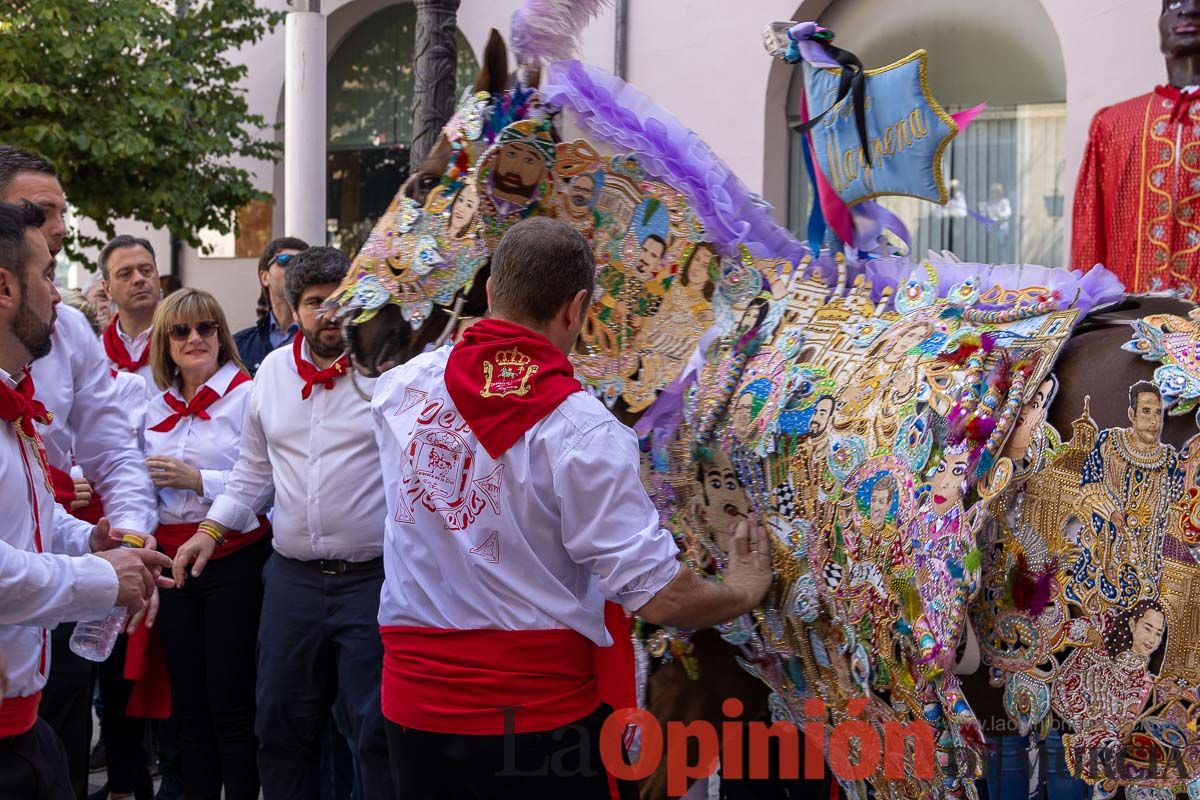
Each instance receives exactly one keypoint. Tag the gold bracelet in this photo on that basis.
(208, 529)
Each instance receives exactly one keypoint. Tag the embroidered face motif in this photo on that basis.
(1148, 632)
(1146, 416)
(462, 212)
(519, 170)
(948, 482)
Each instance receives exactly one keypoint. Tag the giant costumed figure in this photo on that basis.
(896, 424)
(1137, 202)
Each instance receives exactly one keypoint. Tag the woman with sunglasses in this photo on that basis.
(276, 326)
(209, 627)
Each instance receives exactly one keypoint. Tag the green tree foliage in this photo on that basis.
(141, 111)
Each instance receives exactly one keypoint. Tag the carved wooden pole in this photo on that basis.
(436, 56)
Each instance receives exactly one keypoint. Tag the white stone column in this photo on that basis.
(304, 123)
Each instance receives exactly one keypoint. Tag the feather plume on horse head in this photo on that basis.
(548, 30)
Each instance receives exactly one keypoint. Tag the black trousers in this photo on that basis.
(319, 645)
(562, 764)
(209, 631)
(67, 705)
(124, 736)
(33, 766)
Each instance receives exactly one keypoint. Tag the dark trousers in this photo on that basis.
(67, 705)
(318, 645)
(33, 766)
(124, 736)
(562, 764)
(209, 631)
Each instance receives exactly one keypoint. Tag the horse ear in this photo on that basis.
(493, 74)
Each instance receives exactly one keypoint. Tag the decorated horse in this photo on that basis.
(897, 425)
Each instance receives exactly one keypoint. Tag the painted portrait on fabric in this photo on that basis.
(514, 175)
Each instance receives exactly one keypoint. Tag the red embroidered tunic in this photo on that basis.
(1137, 203)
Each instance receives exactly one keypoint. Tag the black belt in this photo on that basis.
(337, 566)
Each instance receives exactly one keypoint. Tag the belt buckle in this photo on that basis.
(332, 567)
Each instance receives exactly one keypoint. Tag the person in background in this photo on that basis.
(209, 627)
(97, 296)
(131, 280)
(308, 440)
(53, 568)
(276, 325)
(90, 429)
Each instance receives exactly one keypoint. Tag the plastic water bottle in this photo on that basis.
(95, 639)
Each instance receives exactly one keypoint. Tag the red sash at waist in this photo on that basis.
(18, 715)
(458, 681)
(64, 494)
(172, 537)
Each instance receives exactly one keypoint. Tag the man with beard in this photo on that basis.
(1136, 201)
(131, 280)
(523, 158)
(48, 573)
(308, 439)
(90, 428)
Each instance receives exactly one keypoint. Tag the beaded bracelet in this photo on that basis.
(208, 529)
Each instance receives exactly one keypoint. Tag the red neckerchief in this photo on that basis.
(18, 407)
(118, 354)
(198, 407)
(504, 379)
(1182, 101)
(313, 376)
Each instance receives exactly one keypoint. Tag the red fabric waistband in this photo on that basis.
(64, 494)
(458, 681)
(18, 715)
(172, 537)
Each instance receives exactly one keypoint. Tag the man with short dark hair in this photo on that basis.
(308, 440)
(276, 326)
(131, 280)
(90, 428)
(48, 573)
(514, 509)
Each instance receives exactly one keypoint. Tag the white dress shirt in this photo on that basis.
(131, 388)
(135, 346)
(92, 424)
(209, 445)
(533, 540)
(44, 579)
(318, 456)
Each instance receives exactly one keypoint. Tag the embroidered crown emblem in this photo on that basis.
(507, 372)
(512, 358)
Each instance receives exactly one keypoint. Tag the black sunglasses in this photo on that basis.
(282, 259)
(180, 331)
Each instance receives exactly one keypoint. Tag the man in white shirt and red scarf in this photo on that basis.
(131, 280)
(308, 439)
(91, 429)
(514, 510)
(48, 574)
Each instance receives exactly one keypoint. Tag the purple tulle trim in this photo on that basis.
(625, 118)
(1096, 287)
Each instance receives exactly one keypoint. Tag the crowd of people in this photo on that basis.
(306, 582)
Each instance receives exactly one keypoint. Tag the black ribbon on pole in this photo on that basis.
(853, 81)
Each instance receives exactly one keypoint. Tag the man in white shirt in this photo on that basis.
(308, 439)
(131, 280)
(90, 428)
(515, 509)
(48, 574)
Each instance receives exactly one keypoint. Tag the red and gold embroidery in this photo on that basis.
(507, 372)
